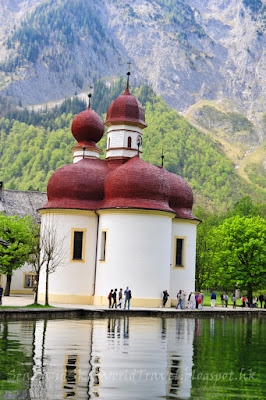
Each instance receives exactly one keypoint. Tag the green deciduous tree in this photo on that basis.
(240, 252)
(18, 232)
(205, 250)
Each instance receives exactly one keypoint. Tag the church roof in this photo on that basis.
(87, 126)
(79, 185)
(126, 109)
(93, 184)
(137, 184)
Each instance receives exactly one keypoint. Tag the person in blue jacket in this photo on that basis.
(213, 299)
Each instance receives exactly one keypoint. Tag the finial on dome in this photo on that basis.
(128, 74)
(162, 157)
(139, 142)
(89, 95)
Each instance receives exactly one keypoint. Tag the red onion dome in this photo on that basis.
(126, 109)
(79, 185)
(87, 126)
(137, 184)
(181, 196)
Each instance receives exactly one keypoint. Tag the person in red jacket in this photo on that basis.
(110, 297)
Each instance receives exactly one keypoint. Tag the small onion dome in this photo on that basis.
(137, 184)
(181, 196)
(126, 109)
(79, 185)
(87, 126)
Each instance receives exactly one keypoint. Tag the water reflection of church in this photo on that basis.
(109, 358)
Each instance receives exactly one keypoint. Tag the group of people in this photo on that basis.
(253, 302)
(196, 300)
(112, 298)
(224, 299)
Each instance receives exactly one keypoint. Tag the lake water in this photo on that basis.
(133, 358)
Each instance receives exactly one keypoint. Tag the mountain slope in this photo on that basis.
(187, 49)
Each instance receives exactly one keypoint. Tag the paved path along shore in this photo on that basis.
(24, 300)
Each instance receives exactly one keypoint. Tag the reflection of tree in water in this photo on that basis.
(15, 363)
(229, 350)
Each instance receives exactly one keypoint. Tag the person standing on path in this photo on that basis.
(120, 298)
(179, 301)
(222, 298)
(213, 299)
(202, 298)
(183, 299)
(165, 297)
(1, 294)
(226, 299)
(234, 300)
(192, 300)
(110, 295)
(196, 299)
(114, 298)
(261, 299)
(127, 294)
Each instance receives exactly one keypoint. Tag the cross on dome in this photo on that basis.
(128, 73)
(90, 95)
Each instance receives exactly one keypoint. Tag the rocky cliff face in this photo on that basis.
(187, 50)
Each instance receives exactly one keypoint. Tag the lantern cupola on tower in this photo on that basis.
(125, 120)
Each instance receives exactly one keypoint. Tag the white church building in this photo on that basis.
(123, 222)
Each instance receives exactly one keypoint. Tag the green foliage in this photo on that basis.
(207, 272)
(210, 117)
(15, 370)
(18, 233)
(193, 155)
(51, 119)
(256, 173)
(204, 252)
(63, 22)
(228, 359)
(240, 252)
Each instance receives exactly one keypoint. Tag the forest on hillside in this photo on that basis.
(65, 23)
(34, 144)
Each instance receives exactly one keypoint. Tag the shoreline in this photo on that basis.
(54, 313)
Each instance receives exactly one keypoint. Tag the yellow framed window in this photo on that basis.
(179, 252)
(29, 280)
(78, 240)
(103, 245)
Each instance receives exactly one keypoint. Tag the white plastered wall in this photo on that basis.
(138, 249)
(17, 282)
(117, 140)
(184, 278)
(72, 277)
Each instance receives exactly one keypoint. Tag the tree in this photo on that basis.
(18, 233)
(205, 251)
(51, 249)
(240, 252)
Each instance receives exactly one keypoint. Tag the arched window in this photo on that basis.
(109, 143)
(129, 141)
